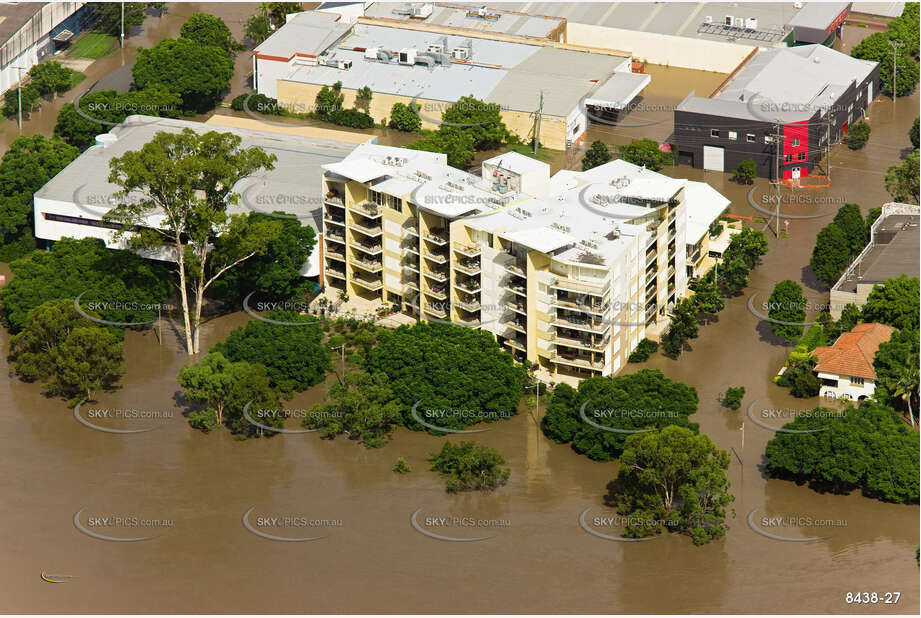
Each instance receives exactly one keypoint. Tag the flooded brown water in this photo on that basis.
(542, 561)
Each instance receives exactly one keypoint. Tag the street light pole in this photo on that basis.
(19, 97)
(896, 44)
(121, 38)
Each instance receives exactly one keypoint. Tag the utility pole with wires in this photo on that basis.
(19, 95)
(777, 155)
(536, 129)
(121, 38)
(896, 44)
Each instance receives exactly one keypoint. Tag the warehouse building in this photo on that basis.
(783, 109)
(569, 271)
(433, 70)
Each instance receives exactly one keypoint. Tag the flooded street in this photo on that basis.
(203, 559)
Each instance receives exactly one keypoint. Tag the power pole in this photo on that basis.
(896, 44)
(540, 109)
(777, 151)
(121, 38)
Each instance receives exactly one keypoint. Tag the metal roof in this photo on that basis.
(310, 32)
(819, 15)
(503, 21)
(619, 90)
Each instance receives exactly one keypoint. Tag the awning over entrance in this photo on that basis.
(618, 91)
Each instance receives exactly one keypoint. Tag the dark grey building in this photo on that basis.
(781, 109)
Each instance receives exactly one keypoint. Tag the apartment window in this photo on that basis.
(795, 142)
(768, 139)
(382, 199)
(750, 138)
(788, 159)
(714, 132)
(856, 381)
(733, 135)
(801, 156)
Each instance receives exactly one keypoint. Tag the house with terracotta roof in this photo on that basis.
(846, 368)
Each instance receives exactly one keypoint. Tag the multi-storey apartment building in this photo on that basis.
(568, 272)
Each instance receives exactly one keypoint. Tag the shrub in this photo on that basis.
(644, 349)
(858, 135)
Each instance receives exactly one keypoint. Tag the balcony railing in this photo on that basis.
(440, 293)
(517, 307)
(336, 255)
(371, 284)
(334, 272)
(370, 249)
(438, 258)
(336, 200)
(580, 307)
(366, 230)
(470, 287)
(468, 250)
(515, 325)
(367, 209)
(516, 344)
(579, 286)
(468, 267)
(335, 236)
(437, 275)
(515, 268)
(577, 360)
(579, 342)
(469, 305)
(368, 265)
(436, 310)
(509, 286)
(592, 326)
(436, 239)
(410, 230)
(334, 219)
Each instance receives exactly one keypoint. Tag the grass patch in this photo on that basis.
(75, 78)
(93, 45)
(528, 151)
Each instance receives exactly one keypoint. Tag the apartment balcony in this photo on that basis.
(472, 322)
(467, 250)
(438, 291)
(471, 306)
(367, 282)
(438, 258)
(437, 238)
(577, 360)
(371, 231)
(435, 310)
(370, 266)
(369, 248)
(516, 325)
(337, 220)
(335, 199)
(336, 255)
(411, 246)
(582, 307)
(468, 266)
(410, 231)
(436, 275)
(470, 287)
(410, 284)
(574, 323)
(584, 343)
(509, 285)
(580, 287)
(515, 268)
(367, 209)
(516, 344)
(334, 272)
(671, 271)
(516, 307)
(335, 236)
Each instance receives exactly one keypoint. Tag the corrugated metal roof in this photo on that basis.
(310, 32)
(819, 15)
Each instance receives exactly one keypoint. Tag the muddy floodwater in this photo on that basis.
(185, 493)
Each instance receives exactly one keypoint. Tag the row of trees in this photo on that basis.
(45, 79)
(644, 152)
(726, 279)
(876, 48)
(839, 242)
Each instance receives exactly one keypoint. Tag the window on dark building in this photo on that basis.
(714, 132)
(750, 138)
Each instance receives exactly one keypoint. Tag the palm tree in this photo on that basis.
(906, 385)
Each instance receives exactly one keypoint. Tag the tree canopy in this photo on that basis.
(470, 466)
(896, 364)
(646, 152)
(787, 304)
(109, 15)
(459, 373)
(598, 154)
(867, 447)
(364, 407)
(198, 73)
(672, 478)
(293, 356)
(206, 29)
(902, 181)
(630, 402)
(74, 267)
(831, 254)
(895, 303)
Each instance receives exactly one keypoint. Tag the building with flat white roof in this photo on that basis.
(433, 70)
(74, 202)
(569, 272)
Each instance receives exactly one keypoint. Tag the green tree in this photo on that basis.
(867, 448)
(404, 118)
(87, 361)
(457, 145)
(745, 172)
(733, 397)
(831, 254)
(913, 134)
(646, 152)
(75, 267)
(481, 120)
(401, 467)
(30, 162)
(871, 218)
(198, 73)
(329, 100)
(206, 29)
(109, 16)
(733, 276)
(894, 302)
(274, 274)
(30, 100)
(363, 99)
(707, 298)
(902, 180)
(258, 28)
(749, 245)
(876, 48)
(66, 351)
(80, 127)
(852, 223)
(278, 11)
(857, 135)
(51, 78)
(363, 407)
(787, 306)
(625, 404)
(293, 356)
(683, 326)
(447, 368)
(896, 365)
(188, 177)
(470, 466)
(675, 476)
(644, 349)
(598, 154)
